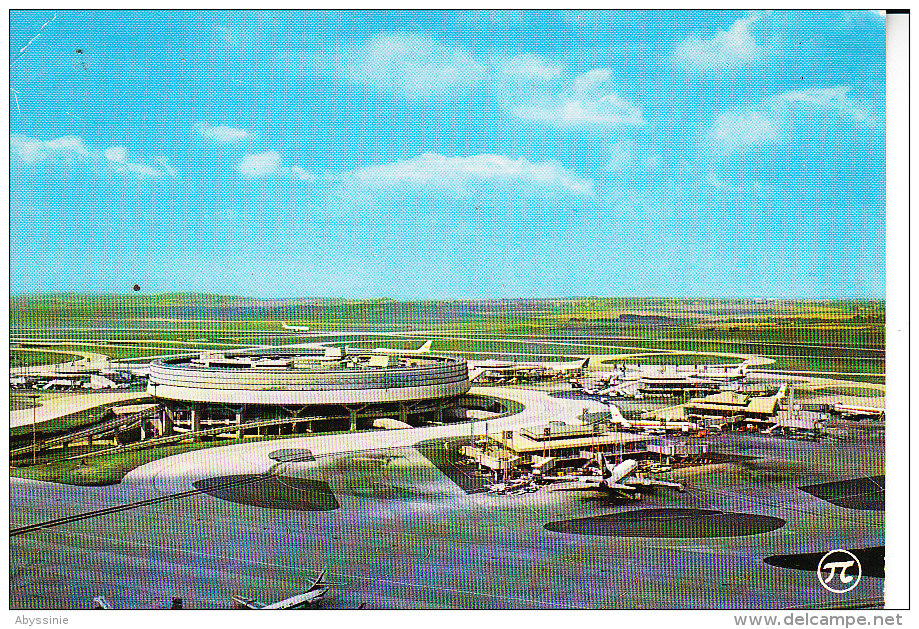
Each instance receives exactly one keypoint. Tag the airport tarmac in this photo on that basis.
(405, 536)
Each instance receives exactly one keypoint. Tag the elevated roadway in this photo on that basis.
(68, 404)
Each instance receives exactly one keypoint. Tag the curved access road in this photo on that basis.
(177, 473)
(88, 359)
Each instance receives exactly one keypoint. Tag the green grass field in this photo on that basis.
(30, 358)
(20, 402)
(109, 469)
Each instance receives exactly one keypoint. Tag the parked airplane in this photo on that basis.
(311, 598)
(851, 409)
(616, 479)
(100, 602)
(297, 328)
(738, 373)
(424, 349)
(515, 487)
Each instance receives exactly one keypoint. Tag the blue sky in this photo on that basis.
(449, 154)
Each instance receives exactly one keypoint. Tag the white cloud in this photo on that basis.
(652, 161)
(733, 48)
(136, 169)
(589, 101)
(259, 164)
(620, 156)
(877, 16)
(737, 130)
(167, 166)
(67, 143)
(470, 176)
(768, 121)
(626, 156)
(831, 99)
(411, 66)
(528, 66)
(67, 147)
(302, 174)
(591, 80)
(269, 164)
(606, 110)
(221, 134)
(116, 157)
(28, 149)
(32, 149)
(115, 153)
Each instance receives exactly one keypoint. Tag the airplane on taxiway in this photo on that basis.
(310, 598)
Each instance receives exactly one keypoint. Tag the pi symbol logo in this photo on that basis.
(839, 571)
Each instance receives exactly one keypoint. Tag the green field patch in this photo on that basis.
(60, 425)
(828, 364)
(20, 402)
(30, 358)
(677, 359)
(109, 469)
(119, 352)
(854, 391)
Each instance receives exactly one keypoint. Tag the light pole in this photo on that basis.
(34, 398)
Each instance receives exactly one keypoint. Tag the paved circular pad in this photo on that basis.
(292, 455)
(271, 492)
(670, 523)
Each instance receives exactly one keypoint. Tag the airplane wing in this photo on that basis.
(575, 486)
(249, 603)
(635, 481)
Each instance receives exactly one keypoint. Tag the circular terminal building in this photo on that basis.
(297, 388)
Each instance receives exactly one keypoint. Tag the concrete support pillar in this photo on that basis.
(143, 431)
(239, 420)
(353, 413)
(403, 415)
(89, 440)
(158, 421)
(163, 422)
(196, 420)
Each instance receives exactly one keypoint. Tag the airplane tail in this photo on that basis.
(320, 581)
(426, 348)
(605, 472)
(100, 602)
